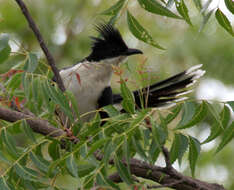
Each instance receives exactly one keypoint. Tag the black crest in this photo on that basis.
(109, 44)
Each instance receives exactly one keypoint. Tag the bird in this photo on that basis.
(90, 79)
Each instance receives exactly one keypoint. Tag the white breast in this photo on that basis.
(87, 81)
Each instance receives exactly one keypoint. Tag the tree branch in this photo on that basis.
(44, 48)
(37, 125)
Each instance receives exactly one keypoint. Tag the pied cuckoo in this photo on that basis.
(90, 79)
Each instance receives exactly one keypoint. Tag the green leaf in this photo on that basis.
(4, 48)
(194, 151)
(3, 184)
(53, 150)
(223, 21)
(26, 173)
(113, 10)
(111, 110)
(31, 63)
(178, 148)
(139, 32)
(214, 112)
(198, 116)
(174, 113)
(154, 151)
(108, 150)
(72, 166)
(228, 135)
(10, 143)
(97, 145)
(85, 169)
(3, 158)
(205, 20)
(216, 130)
(14, 81)
(230, 5)
(225, 116)
(188, 113)
(28, 131)
(122, 171)
(198, 4)
(183, 10)
(139, 148)
(128, 98)
(58, 97)
(156, 8)
(159, 134)
(37, 160)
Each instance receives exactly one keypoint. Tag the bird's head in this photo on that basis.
(110, 46)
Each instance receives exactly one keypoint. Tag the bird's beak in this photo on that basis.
(133, 51)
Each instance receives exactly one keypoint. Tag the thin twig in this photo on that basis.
(44, 48)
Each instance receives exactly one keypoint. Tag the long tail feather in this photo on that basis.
(168, 91)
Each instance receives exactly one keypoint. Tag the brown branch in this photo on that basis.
(37, 125)
(44, 48)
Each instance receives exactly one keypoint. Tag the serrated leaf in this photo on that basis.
(58, 97)
(178, 148)
(3, 184)
(183, 10)
(156, 8)
(108, 149)
(72, 166)
(223, 21)
(230, 5)
(43, 166)
(228, 135)
(214, 113)
(159, 134)
(216, 130)
(198, 116)
(139, 148)
(154, 151)
(26, 173)
(126, 152)
(85, 169)
(31, 63)
(139, 32)
(188, 113)
(4, 48)
(122, 171)
(194, 151)
(174, 113)
(128, 98)
(113, 10)
(10, 143)
(28, 131)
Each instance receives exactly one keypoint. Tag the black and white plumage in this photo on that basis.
(90, 79)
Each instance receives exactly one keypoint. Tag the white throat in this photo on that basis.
(115, 61)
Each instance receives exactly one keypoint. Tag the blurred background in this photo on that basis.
(67, 25)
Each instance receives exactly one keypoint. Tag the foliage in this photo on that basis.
(38, 162)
